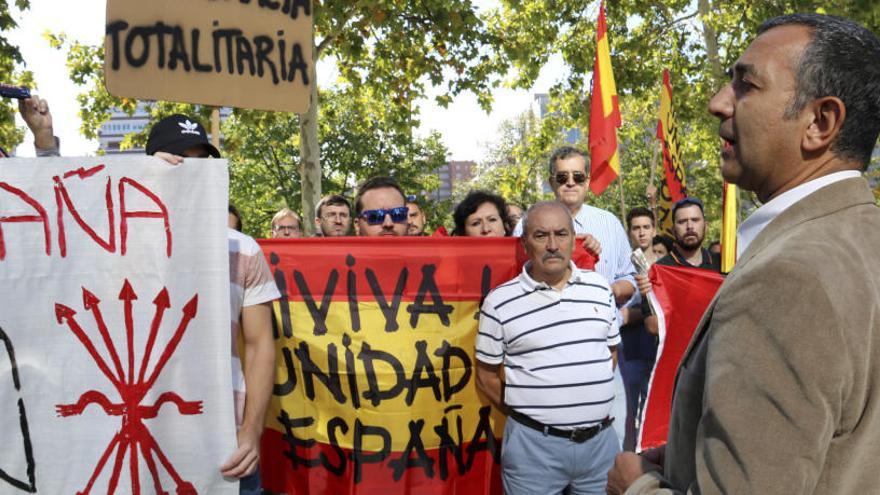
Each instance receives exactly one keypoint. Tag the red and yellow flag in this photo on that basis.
(673, 188)
(604, 115)
(374, 384)
(679, 297)
(728, 228)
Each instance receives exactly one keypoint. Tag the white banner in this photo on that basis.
(114, 311)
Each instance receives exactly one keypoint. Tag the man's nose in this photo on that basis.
(721, 104)
(387, 223)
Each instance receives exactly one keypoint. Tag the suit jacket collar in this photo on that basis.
(834, 197)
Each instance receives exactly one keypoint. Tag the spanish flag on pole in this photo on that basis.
(604, 114)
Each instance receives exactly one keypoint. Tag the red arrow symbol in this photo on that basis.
(127, 295)
(162, 303)
(65, 313)
(189, 312)
(92, 303)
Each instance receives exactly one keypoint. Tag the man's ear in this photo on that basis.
(826, 118)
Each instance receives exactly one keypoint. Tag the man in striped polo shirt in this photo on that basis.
(555, 331)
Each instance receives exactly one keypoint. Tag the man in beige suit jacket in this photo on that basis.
(779, 391)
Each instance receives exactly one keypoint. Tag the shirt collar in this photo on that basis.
(529, 284)
(757, 221)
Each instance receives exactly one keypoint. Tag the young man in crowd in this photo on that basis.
(380, 208)
(333, 216)
(416, 220)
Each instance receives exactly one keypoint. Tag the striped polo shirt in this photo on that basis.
(554, 346)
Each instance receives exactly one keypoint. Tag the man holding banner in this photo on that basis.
(775, 393)
(252, 289)
(555, 330)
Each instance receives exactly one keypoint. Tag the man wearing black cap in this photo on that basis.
(253, 289)
(178, 136)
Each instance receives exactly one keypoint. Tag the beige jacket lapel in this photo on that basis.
(835, 197)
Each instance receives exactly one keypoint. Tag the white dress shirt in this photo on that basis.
(762, 217)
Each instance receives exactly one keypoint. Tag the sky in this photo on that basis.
(466, 129)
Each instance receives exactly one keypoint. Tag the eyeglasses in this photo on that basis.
(286, 228)
(578, 177)
(376, 217)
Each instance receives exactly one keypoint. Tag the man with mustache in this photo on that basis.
(777, 391)
(554, 329)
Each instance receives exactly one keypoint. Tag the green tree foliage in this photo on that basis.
(11, 73)
(695, 41)
(362, 133)
(385, 50)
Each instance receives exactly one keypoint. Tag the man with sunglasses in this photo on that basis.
(380, 208)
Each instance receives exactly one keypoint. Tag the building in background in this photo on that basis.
(454, 172)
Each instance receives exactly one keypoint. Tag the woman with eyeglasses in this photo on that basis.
(481, 214)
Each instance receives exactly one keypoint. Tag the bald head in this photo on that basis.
(555, 206)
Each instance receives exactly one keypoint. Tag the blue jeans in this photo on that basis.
(250, 485)
(532, 462)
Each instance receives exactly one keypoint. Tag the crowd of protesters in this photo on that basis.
(621, 328)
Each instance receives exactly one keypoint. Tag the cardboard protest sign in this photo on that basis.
(375, 388)
(234, 53)
(115, 358)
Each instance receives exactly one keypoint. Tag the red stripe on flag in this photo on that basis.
(683, 294)
(603, 129)
(479, 472)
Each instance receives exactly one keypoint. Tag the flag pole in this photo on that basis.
(728, 228)
(215, 127)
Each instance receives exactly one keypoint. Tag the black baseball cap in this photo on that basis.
(178, 133)
(687, 200)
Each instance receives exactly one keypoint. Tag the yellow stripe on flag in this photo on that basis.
(728, 229)
(367, 353)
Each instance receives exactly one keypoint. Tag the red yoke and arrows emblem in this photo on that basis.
(133, 434)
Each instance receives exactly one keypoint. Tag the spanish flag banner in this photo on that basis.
(604, 115)
(374, 387)
(674, 187)
(679, 297)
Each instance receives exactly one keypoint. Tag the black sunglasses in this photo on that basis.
(562, 177)
(376, 217)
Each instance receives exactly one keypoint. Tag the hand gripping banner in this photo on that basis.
(114, 326)
(375, 384)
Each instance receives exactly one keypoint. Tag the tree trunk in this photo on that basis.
(710, 38)
(310, 157)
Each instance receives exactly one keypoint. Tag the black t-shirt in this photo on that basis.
(711, 261)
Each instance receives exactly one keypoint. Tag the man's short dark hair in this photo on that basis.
(332, 200)
(665, 240)
(638, 211)
(379, 182)
(472, 202)
(234, 211)
(843, 60)
(564, 153)
(687, 201)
